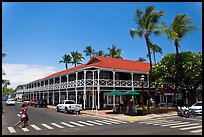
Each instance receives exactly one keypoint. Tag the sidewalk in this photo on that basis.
(109, 115)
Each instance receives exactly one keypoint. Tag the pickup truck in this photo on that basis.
(69, 106)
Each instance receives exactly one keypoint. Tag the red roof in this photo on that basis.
(106, 62)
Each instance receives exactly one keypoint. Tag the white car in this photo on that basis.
(69, 106)
(197, 107)
(10, 101)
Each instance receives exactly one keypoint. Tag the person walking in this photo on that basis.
(22, 115)
(26, 118)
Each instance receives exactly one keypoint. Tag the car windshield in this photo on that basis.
(10, 100)
(198, 104)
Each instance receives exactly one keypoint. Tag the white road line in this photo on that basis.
(57, 125)
(48, 127)
(35, 127)
(184, 125)
(118, 121)
(85, 123)
(11, 129)
(66, 124)
(180, 123)
(25, 129)
(103, 122)
(76, 124)
(111, 121)
(95, 123)
(187, 128)
(196, 131)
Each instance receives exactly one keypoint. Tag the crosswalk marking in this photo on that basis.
(179, 123)
(196, 131)
(48, 127)
(76, 124)
(95, 123)
(103, 122)
(118, 121)
(11, 129)
(66, 124)
(35, 127)
(187, 128)
(25, 129)
(57, 125)
(184, 125)
(111, 122)
(85, 123)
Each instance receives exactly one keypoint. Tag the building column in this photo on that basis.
(76, 86)
(59, 88)
(98, 90)
(93, 92)
(53, 98)
(132, 87)
(53, 95)
(84, 96)
(67, 86)
(48, 96)
(67, 95)
(114, 88)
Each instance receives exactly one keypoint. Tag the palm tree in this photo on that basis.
(146, 25)
(100, 53)
(76, 58)
(66, 59)
(140, 59)
(114, 52)
(89, 51)
(180, 27)
(155, 49)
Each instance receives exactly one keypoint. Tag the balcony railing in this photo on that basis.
(91, 83)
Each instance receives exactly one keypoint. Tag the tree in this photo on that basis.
(180, 27)
(155, 49)
(76, 58)
(189, 75)
(4, 81)
(140, 59)
(66, 59)
(146, 25)
(7, 91)
(89, 51)
(114, 52)
(100, 53)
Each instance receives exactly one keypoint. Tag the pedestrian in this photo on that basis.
(22, 115)
(27, 118)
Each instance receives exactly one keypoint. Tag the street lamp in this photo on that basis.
(142, 81)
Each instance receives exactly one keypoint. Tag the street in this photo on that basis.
(46, 121)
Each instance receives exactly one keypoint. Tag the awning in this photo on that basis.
(131, 93)
(116, 92)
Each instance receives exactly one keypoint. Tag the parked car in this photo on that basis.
(69, 106)
(31, 102)
(197, 108)
(10, 101)
(40, 103)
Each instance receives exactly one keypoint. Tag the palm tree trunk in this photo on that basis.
(177, 67)
(150, 72)
(66, 65)
(154, 57)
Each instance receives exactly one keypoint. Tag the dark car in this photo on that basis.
(40, 103)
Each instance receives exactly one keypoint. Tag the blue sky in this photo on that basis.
(38, 34)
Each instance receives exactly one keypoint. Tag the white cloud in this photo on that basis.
(19, 74)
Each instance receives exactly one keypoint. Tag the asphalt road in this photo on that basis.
(46, 121)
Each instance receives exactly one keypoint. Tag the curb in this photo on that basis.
(130, 118)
